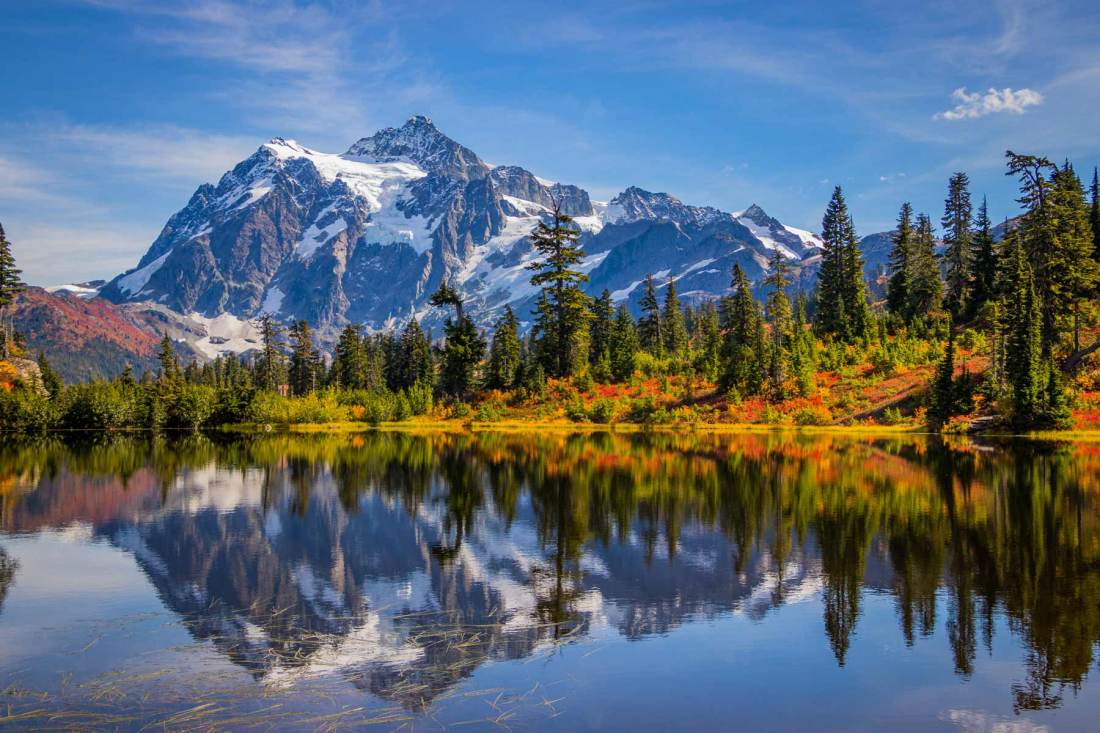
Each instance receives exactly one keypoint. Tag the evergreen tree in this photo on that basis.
(803, 356)
(673, 330)
(901, 266)
(624, 345)
(708, 334)
(942, 407)
(649, 325)
(505, 354)
(303, 362)
(1023, 357)
(564, 317)
(745, 346)
(412, 358)
(1076, 269)
(349, 360)
(603, 315)
(957, 238)
(1094, 214)
(842, 309)
(271, 365)
(983, 283)
(778, 311)
(10, 286)
(169, 363)
(925, 286)
(51, 380)
(463, 349)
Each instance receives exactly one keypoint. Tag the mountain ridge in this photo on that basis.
(367, 235)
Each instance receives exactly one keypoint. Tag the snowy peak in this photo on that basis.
(421, 142)
(792, 243)
(757, 214)
(637, 204)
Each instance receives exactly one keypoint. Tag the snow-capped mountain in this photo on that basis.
(366, 236)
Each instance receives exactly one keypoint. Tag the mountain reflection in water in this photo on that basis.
(402, 563)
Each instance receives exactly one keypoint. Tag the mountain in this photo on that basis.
(366, 236)
(84, 337)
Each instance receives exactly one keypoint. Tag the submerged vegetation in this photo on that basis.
(991, 334)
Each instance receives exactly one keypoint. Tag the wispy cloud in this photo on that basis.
(972, 105)
(164, 151)
(300, 68)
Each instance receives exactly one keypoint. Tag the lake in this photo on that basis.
(549, 581)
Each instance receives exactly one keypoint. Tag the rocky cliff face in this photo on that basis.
(367, 235)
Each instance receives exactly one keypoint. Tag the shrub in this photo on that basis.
(575, 411)
(604, 411)
(26, 411)
(812, 415)
(420, 398)
(490, 411)
(99, 406)
(583, 382)
(892, 416)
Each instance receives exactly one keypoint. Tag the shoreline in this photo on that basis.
(519, 426)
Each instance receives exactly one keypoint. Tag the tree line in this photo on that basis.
(1032, 294)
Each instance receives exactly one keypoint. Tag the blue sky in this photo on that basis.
(113, 111)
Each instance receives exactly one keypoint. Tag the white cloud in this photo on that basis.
(972, 105)
(192, 156)
(977, 721)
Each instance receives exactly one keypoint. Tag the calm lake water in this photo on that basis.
(549, 582)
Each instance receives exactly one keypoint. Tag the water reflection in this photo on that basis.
(401, 563)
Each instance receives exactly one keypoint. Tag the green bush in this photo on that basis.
(100, 406)
(604, 411)
(192, 406)
(26, 411)
(892, 416)
(490, 411)
(323, 407)
(576, 411)
(420, 398)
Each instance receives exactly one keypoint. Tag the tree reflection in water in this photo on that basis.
(404, 561)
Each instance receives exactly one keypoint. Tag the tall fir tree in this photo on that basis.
(1077, 271)
(168, 361)
(303, 364)
(650, 332)
(505, 354)
(901, 255)
(925, 285)
(803, 353)
(411, 358)
(349, 360)
(708, 338)
(745, 347)
(603, 315)
(624, 345)
(842, 308)
(564, 316)
(10, 285)
(1023, 357)
(956, 222)
(943, 394)
(463, 348)
(778, 311)
(270, 368)
(983, 281)
(1094, 214)
(673, 330)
